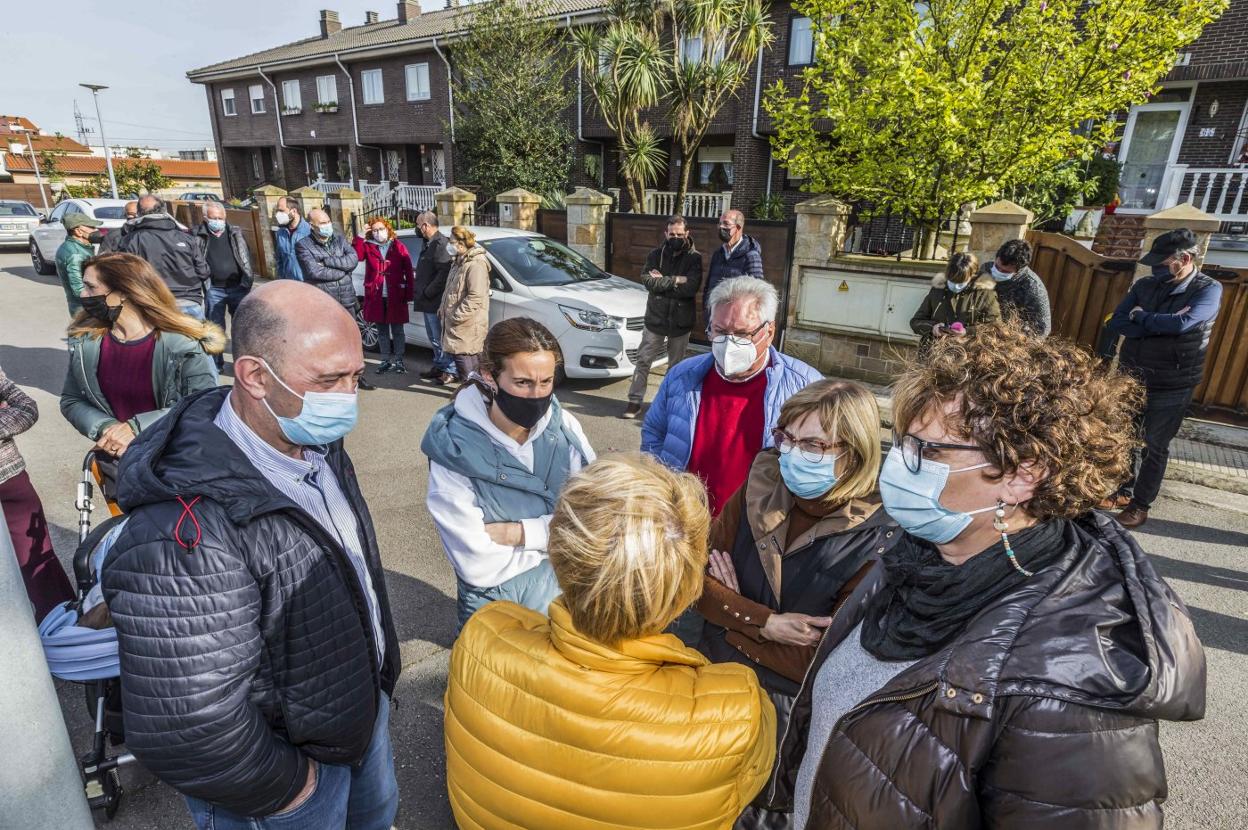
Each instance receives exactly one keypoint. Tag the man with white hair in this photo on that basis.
(713, 413)
(1166, 321)
(229, 266)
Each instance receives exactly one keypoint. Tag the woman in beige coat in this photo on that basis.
(465, 310)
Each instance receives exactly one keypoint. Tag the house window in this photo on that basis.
(691, 48)
(257, 165)
(291, 99)
(227, 102)
(801, 42)
(256, 93)
(715, 168)
(418, 82)
(370, 79)
(327, 89)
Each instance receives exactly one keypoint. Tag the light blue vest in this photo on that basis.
(506, 491)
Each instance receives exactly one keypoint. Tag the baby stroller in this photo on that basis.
(80, 645)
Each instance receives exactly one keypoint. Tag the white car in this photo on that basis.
(48, 235)
(17, 220)
(596, 317)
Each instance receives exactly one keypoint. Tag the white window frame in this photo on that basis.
(254, 99)
(324, 84)
(417, 94)
(365, 75)
(291, 102)
(808, 43)
(229, 105)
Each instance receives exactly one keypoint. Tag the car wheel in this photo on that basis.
(369, 335)
(42, 266)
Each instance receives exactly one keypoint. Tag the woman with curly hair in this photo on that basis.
(1006, 663)
(388, 288)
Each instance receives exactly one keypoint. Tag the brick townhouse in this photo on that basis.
(372, 102)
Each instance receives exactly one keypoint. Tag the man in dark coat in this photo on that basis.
(328, 260)
(258, 653)
(156, 237)
(1020, 293)
(432, 268)
(229, 266)
(738, 256)
(1166, 321)
(672, 275)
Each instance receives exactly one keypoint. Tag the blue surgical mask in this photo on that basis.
(805, 478)
(216, 225)
(325, 417)
(913, 499)
(999, 275)
(957, 287)
(325, 231)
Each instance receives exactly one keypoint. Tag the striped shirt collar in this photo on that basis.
(271, 463)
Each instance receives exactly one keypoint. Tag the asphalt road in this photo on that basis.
(1198, 539)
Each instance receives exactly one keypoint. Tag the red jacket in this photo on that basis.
(396, 271)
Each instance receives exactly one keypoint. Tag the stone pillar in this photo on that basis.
(995, 224)
(345, 205)
(517, 208)
(266, 197)
(1180, 216)
(310, 199)
(456, 206)
(587, 224)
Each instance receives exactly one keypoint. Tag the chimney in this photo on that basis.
(330, 24)
(409, 10)
(370, 17)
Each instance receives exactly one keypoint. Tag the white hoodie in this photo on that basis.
(452, 502)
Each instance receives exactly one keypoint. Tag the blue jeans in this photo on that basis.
(219, 301)
(358, 798)
(441, 360)
(536, 588)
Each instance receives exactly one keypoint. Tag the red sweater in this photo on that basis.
(728, 434)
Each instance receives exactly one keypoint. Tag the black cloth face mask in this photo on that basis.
(523, 412)
(97, 307)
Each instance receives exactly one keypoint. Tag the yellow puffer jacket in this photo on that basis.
(549, 730)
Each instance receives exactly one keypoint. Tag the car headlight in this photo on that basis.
(587, 320)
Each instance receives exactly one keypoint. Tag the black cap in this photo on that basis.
(1167, 245)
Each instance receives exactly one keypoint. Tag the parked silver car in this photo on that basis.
(17, 220)
(48, 235)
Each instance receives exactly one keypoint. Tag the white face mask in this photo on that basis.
(381, 235)
(732, 358)
(451, 249)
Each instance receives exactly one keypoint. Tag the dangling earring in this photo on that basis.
(998, 524)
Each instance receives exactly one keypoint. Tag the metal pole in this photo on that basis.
(38, 176)
(108, 154)
(44, 789)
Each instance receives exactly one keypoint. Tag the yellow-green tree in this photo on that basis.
(919, 108)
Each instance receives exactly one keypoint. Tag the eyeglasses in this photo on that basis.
(913, 447)
(735, 337)
(809, 448)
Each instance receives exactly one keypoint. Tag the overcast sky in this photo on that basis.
(142, 50)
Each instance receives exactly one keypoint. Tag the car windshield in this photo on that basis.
(118, 212)
(16, 209)
(540, 261)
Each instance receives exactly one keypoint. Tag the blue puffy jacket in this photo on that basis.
(667, 432)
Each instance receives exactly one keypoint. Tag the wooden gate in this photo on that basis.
(631, 237)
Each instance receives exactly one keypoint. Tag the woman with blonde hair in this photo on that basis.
(132, 353)
(465, 309)
(791, 543)
(594, 718)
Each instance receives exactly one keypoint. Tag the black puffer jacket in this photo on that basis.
(670, 308)
(328, 265)
(1041, 714)
(252, 651)
(175, 254)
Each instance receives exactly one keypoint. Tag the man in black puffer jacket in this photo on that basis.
(672, 275)
(175, 254)
(258, 653)
(1166, 321)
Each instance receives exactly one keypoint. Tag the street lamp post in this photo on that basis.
(108, 154)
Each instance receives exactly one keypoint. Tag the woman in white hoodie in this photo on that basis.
(498, 455)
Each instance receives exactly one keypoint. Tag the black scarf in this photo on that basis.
(926, 602)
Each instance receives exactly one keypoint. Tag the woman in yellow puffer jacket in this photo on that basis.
(594, 718)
